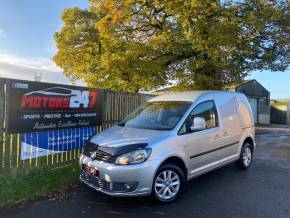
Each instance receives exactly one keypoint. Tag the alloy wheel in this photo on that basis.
(167, 184)
(247, 156)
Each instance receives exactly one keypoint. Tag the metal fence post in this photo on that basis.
(2, 119)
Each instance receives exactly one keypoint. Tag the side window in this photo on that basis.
(206, 110)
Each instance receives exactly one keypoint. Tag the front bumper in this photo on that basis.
(114, 180)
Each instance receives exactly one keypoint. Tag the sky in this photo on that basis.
(26, 38)
(27, 44)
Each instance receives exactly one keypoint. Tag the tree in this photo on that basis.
(198, 44)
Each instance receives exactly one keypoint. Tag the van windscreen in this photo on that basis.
(163, 115)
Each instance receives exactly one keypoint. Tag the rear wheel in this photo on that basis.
(168, 183)
(246, 157)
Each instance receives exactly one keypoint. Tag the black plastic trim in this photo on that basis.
(112, 152)
(117, 151)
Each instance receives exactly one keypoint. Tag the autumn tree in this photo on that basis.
(198, 44)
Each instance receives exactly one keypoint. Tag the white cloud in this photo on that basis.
(16, 67)
(2, 34)
(31, 63)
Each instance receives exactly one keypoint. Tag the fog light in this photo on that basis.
(124, 187)
(127, 187)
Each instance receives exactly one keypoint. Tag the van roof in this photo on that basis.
(190, 96)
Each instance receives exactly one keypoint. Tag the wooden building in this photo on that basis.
(259, 98)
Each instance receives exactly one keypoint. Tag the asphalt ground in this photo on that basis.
(261, 191)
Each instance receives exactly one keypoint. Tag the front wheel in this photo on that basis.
(246, 157)
(168, 183)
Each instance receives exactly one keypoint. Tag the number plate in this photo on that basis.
(90, 171)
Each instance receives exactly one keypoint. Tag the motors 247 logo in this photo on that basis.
(59, 98)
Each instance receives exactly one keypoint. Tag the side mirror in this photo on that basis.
(198, 124)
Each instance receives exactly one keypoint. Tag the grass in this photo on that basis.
(39, 183)
(279, 103)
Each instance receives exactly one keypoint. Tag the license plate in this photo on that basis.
(90, 170)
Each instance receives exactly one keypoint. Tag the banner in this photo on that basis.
(37, 144)
(35, 106)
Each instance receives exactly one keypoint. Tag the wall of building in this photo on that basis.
(259, 98)
(263, 111)
(288, 115)
(264, 119)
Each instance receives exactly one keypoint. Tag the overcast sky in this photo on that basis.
(27, 45)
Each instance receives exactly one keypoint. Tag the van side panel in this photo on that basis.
(246, 119)
(245, 111)
(230, 122)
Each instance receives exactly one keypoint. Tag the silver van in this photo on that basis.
(169, 140)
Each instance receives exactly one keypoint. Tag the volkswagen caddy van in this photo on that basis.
(168, 141)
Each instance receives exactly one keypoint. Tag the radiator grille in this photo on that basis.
(92, 151)
(97, 182)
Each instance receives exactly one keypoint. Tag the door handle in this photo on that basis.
(217, 136)
(226, 133)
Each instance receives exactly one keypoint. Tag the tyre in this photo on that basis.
(168, 183)
(246, 157)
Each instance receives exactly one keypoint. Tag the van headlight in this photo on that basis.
(134, 157)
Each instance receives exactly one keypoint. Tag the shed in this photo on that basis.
(259, 98)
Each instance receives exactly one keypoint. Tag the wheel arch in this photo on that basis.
(250, 140)
(177, 161)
